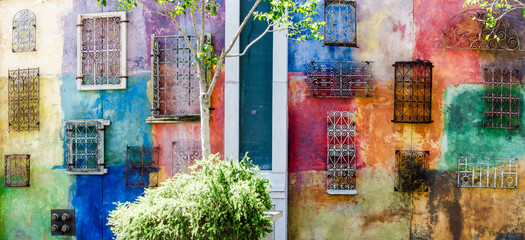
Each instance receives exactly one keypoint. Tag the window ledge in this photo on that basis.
(98, 172)
(341, 192)
(177, 119)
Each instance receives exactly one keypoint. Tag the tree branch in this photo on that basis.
(253, 42)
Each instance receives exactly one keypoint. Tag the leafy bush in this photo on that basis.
(217, 200)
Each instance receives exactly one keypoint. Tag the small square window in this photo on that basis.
(17, 170)
(23, 99)
(501, 98)
(413, 92)
(175, 78)
(341, 156)
(340, 18)
(184, 154)
(340, 79)
(85, 146)
(142, 166)
(24, 31)
(411, 171)
(101, 51)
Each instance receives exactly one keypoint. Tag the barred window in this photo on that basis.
(142, 166)
(487, 172)
(411, 171)
(340, 79)
(175, 78)
(23, 99)
(85, 146)
(17, 170)
(24, 31)
(184, 154)
(501, 98)
(341, 156)
(413, 92)
(101, 53)
(341, 23)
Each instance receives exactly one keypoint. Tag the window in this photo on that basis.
(411, 171)
(341, 156)
(17, 170)
(101, 53)
(501, 98)
(487, 172)
(175, 78)
(142, 166)
(340, 18)
(413, 92)
(24, 31)
(184, 154)
(85, 146)
(23, 99)
(340, 79)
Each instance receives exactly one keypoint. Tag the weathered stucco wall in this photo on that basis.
(391, 31)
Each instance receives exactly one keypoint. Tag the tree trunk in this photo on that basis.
(205, 125)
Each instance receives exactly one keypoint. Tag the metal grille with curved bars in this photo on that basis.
(184, 154)
(501, 98)
(24, 31)
(85, 146)
(17, 170)
(341, 156)
(487, 172)
(341, 23)
(24, 99)
(340, 79)
(413, 92)
(411, 171)
(142, 166)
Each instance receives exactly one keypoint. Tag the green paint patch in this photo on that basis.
(464, 135)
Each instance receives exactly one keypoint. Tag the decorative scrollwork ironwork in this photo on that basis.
(184, 154)
(413, 92)
(24, 31)
(341, 157)
(411, 171)
(142, 166)
(340, 79)
(467, 31)
(84, 146)
(341, 23)
(24, 99)
(487, 172)
(16, 170)
(501, 98)
(175, 80)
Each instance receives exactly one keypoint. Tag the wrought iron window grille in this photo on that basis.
(341, 79)
(341, 23)
(175, 78)
(17, 172)
(413, 92)
(24, 31)
(487, 172)
(23, 99)
(184, 154)
(101, 51)
(411, 171)
(85, 146)
(341, 158)
(466, 30)
(142, 166)
(501, 98)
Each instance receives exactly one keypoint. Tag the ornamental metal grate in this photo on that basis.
(413, 92)
(467, 31)
(411, 171)
(101, 50)
(340, 79)
(341, 24)
(184, 154)
(85, 146)
(341, 157)
(487, 172)
(175, 79)
(23, 99)
(24, 31)
(501, 98)
(17, 170)
(142, 166)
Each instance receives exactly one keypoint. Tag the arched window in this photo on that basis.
(24, 31)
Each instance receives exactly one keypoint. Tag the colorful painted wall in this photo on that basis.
(25, 211)
(388, 32)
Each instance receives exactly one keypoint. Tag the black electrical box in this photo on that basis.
(62, 222)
